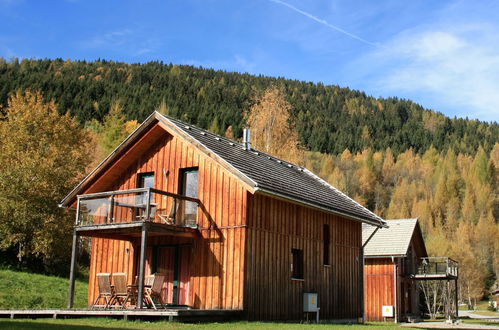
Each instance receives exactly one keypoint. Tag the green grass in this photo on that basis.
(481, 322)
(487, 313)
(115, 324)
(27, 290)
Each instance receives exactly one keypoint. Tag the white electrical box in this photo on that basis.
(310, 302)
(387, 311)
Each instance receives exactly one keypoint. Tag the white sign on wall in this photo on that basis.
(387, 311)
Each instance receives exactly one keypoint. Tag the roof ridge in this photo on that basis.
(253, 150)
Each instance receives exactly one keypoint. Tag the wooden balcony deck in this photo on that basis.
(129, 231)
(170, 314)
(123, 214)
(437, 268)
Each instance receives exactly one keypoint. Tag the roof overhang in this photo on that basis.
(164, 123)
(167, 125)
(385, 256)
(381, 224)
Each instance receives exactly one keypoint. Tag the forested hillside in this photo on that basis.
(393, 156)
(328, 119)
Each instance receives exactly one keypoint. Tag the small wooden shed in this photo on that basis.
(232, 227)
(392, 256)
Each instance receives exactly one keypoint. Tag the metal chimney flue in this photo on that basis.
(246, 139)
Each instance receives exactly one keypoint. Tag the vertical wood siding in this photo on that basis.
(242, 257)
(216, 262)
(378, 274)
(274, 228)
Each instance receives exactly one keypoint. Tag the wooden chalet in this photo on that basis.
(233, 228)
(392, 256)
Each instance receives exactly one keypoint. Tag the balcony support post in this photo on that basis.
(74, 256)
(142, 264)
(143, 247)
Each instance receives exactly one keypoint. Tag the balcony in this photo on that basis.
(435, 268)
(121, 214)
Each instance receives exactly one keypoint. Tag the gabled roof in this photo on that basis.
(259, 171)
(391, 241)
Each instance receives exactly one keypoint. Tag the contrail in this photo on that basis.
(324, 22)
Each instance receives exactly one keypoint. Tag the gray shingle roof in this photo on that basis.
(392, 241)
(260, 171)
(277, 176)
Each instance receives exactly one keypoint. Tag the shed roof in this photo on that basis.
(260, 171)
(391, 241)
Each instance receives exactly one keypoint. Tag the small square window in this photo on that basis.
(297, 265)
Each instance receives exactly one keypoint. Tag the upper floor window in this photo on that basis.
(189, 182)
(145, 180)
(189, 188)
(297, 265)
(326, 241)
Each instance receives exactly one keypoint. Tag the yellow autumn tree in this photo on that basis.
(271, 127)
(42, 156)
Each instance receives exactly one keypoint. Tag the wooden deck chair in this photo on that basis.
(155, 291)
(121, 294)
(169, 217)
(105, 290)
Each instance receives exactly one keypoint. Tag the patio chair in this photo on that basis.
(169, 217)
(121, 293)
(105, 290)
(154, 291)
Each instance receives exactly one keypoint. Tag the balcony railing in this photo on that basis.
(142, 204)
(438, 267)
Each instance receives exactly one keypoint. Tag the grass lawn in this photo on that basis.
(115, 324)
(27, 290)
(487, 313)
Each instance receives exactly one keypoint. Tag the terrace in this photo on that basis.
(436, 268)
(122, 214)
(133, 215)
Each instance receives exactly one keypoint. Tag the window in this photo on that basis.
(297, 265)
(145, 180)
(189, 188)
(326, 242)
(189, 184)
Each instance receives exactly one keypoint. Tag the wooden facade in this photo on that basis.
(211, 263)
(240, 254)
(388, 282)
(275, 227)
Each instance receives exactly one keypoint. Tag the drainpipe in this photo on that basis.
(395, 289)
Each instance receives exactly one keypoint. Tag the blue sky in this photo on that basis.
(443, 55)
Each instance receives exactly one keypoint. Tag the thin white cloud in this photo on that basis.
(453, 67)
(123, 40)
(324, 22)
(109, 39)
(236, 63)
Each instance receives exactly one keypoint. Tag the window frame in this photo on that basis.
(297, 265)
(326, 244)
(181, 178)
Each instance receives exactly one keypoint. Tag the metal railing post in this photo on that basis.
(175, 210)
(77, 220)
(148, 204)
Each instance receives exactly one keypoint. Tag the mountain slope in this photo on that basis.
(328, 119)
